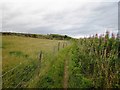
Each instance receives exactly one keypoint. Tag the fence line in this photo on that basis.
(10, 70)
(63, 45)
(39, 61)
(19, 83)
(23, 78)
(58, 46)
(39, 66)
(40, 58)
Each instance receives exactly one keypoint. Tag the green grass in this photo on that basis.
(92, 62)
(22, 53)
(95, 63)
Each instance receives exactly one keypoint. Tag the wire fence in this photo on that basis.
(24, 72)
(10, 70)
(16, 70)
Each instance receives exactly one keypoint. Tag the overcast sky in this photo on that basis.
(71, 17)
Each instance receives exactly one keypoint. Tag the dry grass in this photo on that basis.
(27, 46)
(16, 50)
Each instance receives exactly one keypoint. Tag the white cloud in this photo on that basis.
(72, 17)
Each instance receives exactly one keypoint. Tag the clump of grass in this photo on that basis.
(18, 54)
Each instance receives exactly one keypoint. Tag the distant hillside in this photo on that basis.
(41, 36)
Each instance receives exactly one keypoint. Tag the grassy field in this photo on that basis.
(92, 62)
(21, 66)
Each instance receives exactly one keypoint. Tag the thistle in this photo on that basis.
(113, 35)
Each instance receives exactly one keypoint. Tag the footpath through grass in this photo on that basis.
(84, 63)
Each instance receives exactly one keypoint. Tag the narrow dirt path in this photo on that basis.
(65, 84)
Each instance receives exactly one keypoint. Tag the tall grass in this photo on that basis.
(95, 62)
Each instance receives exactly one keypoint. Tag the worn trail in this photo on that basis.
(65, 84)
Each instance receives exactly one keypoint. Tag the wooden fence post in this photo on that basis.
(54, 50)
(39, 63)
(63, 44)
(58, 46)
(40, 58)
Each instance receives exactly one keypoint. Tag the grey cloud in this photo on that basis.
(42, 30)
(87, 19)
